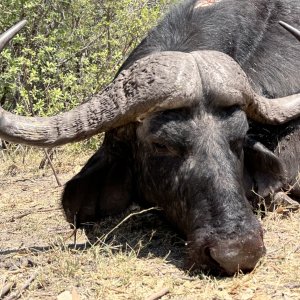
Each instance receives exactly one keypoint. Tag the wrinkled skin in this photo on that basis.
(201, 164)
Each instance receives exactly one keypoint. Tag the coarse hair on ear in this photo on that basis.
(263, 170)
(103, 187)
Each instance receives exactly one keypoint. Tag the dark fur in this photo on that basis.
(200, 164)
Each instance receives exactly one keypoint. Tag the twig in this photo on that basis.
(125, 219)
(52, 167)
(6, 289)
(75, 230)
(20, 216)
(2, 153)
(12, 219)
(24, 287)
(80, 50)
(159, 294)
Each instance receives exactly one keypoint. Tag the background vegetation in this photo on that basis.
(69, 50)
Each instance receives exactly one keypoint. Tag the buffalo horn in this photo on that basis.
(280, 110)
(9, 34)
(224, 81)
(273, 111)
(158, 82)
(291, 29)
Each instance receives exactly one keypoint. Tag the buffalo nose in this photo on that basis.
(237, 254)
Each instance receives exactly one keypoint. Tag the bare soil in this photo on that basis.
(135, 260)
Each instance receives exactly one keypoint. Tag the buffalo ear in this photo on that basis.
(263, 170)
(103, 187)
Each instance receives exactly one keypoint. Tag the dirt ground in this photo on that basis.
(139, 259)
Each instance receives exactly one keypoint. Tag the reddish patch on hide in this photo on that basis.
(203, 3)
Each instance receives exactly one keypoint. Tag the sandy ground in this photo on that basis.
(140, 258)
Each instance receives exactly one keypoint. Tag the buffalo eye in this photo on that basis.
(162, 149)
(159, 147)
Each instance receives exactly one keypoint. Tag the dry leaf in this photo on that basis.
(66, 295)
(75, 295)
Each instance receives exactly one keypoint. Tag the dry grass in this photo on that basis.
(141, 257)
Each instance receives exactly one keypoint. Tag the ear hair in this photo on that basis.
(262, 168)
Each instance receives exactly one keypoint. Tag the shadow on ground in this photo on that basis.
(148, 235)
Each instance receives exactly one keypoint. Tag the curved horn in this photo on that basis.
(161, 81)
(277, 110)
(9, 34)
(225, 82)
(273, 111)
(291, 29)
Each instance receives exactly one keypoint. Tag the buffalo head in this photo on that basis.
(176, 137)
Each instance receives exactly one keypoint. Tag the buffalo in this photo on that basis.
(201, 118)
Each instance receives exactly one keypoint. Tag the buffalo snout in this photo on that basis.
(227, 256)
(238, 254)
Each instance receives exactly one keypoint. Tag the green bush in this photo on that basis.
(69, 50)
